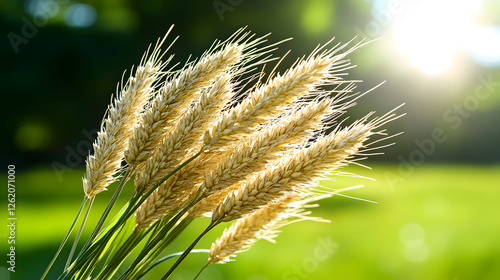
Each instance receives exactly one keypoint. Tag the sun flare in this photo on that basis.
(430, 32)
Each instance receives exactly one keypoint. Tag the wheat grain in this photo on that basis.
(261, 149)
(297, 172)
(242, 234)
(269, 100)
(263, 224)
(122, 116)
(180, 144)
(187, 137)
(251, 157)
(174, 97)
(265, 103)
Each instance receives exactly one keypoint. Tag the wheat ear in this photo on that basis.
(247, 61)
(263, 224)
(261, 149)
(298, 172)
(250, 157)
(237, 55)
(123, 115)
(242, 234)
(187, 137)
(267, 101)
(264, 103)
(173, 99)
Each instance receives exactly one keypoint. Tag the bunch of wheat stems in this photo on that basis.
(202, 141)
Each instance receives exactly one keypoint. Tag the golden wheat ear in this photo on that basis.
(237, 55)
(263, 224)
(267, 101)
(122, 116)
(301, 170)
(174, 98)
(258, 150)
(242, 234)
(248, 157)
(228, 159)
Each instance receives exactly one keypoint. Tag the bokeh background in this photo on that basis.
(437, 189)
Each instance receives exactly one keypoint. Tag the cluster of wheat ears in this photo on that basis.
(203, 141)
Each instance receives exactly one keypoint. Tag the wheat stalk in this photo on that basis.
(250, 157)
(203, 141)
(123, 115)
(263, 104)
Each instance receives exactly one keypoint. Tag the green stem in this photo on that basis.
(188, 250)
(107, 251)
(159, 230)
(106, 212)
(201, 270)
(121, 255)
(157, 242)
(91, 254)
(103, 251)
(77, 238)
(166, 258)
(158, 249)
(121, 239)
(149, 252)
(65, 239)
(89, 258)
(84, 264)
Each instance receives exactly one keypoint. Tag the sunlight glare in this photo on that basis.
(429, 32)
(432, 62)
(485, 46)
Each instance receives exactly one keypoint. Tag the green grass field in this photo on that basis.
(439, 223)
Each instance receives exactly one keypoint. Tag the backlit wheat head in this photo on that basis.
(202, 141)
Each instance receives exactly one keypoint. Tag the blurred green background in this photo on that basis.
(437, 189)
